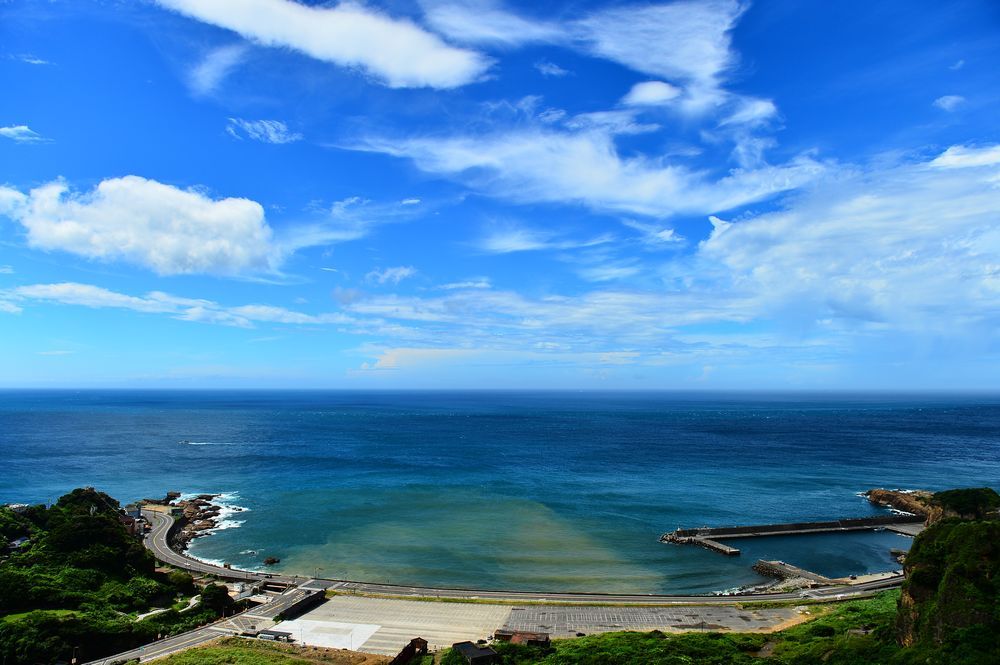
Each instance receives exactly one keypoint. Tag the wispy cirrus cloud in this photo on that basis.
(396, 52)
(949, 102)
(29, 59)
(158, 302)
(265, 131)
(22, 134)
(207, 75)
(393, 275)
(507, 239)
(585, 167)
(551, 69)
(686, 42)
(476, 283)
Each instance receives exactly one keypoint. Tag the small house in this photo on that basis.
(476, 655)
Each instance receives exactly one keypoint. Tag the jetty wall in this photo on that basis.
(852, 523)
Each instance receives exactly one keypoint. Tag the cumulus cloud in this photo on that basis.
(949, 102)
(651, 93)
(391, 275)
(217, 64)
(396, 52)
(22, 134)
(166, 229)
(265, 131)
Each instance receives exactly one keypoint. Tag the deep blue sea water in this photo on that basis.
(550, 491)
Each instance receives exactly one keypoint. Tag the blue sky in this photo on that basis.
(470, 193)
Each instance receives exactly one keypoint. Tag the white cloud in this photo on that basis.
(651, 93)
(22, 134)
(410, 202)
(484, 22)
(6, 270)
(399, 358)
(585, 167)
(960, 157)
(612, 122)
(397, 52)
(949, 102)
(391, 275)
(655, 234)
(217, 64)
(751, 111)
(265, 131)
(910, 247)
(512, 239)
(157, 302)
(546, 68)
(148, 223)
(686, 41)
(57, 352)
(958, 64)
(477, 283)
(87, 295)
(29, 59)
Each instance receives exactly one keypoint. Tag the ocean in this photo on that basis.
(507, 490)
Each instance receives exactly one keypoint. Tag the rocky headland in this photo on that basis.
(968, 504)
(916, 502)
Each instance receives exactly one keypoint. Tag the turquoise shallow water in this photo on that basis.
(546, 491)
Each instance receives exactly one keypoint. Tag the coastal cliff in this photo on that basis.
(952, 585)
(967, 504)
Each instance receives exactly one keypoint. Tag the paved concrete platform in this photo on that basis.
(396, 622)
(562, 621)
(384, 625)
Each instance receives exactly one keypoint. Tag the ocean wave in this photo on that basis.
(208, 443)
(226, 502)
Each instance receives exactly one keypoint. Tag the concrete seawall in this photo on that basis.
(709, 537)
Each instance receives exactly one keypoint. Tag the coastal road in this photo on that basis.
(163, 648)
(566, 612)
(156, 541)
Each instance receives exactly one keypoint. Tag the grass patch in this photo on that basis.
(237, 651)
(847, 634)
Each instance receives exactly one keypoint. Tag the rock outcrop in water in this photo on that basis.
(909, 501)
(199, 517)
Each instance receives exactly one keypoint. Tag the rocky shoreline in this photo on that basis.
(914, 502)
(199, 517)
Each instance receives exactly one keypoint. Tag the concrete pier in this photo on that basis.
(708, 537)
